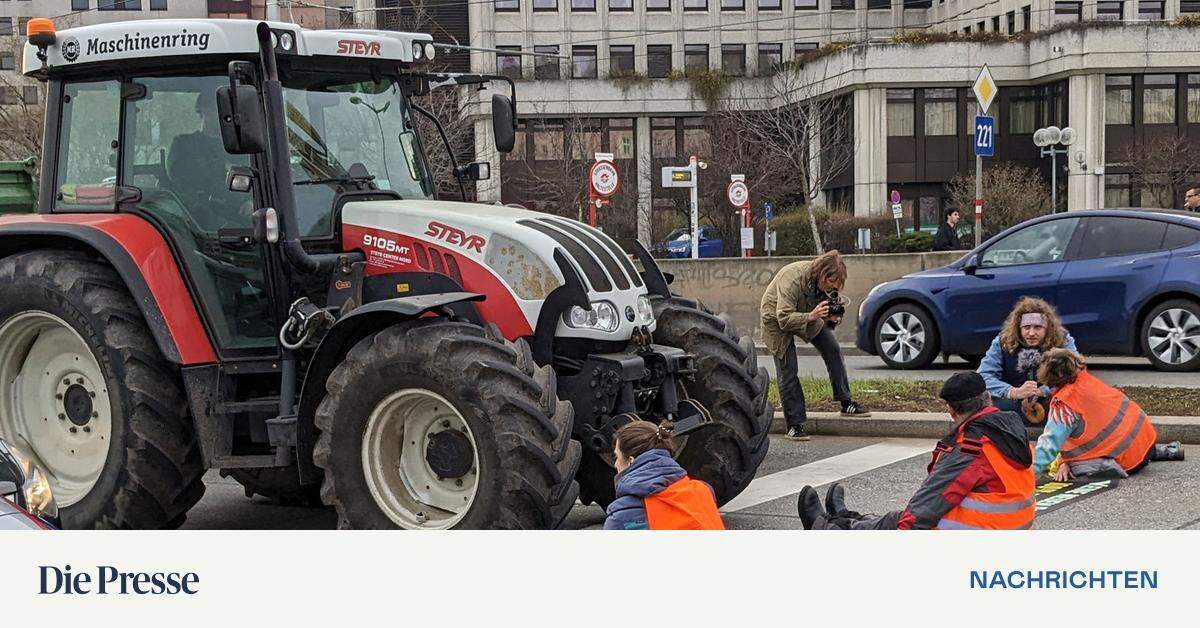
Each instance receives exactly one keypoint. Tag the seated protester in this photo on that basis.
(653, 491)
(980, 477)
(1010, 366)
(1099, 431)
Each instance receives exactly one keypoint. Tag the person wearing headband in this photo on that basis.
(1010, 366)
(653, 491)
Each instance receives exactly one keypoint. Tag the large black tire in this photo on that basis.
(281, 485)
(153, 471)
(905, 355)
(730, 384)
(522, 432)
(1176, 313)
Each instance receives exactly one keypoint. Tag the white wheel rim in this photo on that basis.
(396, 460)
(902, 337)
(1174, 336)
(54, 402)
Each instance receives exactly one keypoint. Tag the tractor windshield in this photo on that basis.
(342, 132)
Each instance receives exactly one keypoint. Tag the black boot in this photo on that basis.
(1171, 451)
(808, 506)
(835, 503)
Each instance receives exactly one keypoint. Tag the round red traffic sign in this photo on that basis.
(739, 194)
(605, 179)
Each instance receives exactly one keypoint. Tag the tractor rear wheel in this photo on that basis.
(434, 424)
(730, 384)
(85, 391)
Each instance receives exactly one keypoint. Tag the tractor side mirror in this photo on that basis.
(8, 488)
(504, 123)
(242, 127)
(476, 171)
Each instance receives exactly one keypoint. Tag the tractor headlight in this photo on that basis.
(645, 311)
(602, 317)
(39, 500)
(418, 50)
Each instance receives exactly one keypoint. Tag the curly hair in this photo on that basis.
(830, 267)
(1010, 332)
(1060, 366)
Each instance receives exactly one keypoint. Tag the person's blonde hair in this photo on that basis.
(1010, 332)
(831, 267)
(1060, 366)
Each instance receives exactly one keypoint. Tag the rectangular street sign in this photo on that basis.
(985, 137)
(673, 177)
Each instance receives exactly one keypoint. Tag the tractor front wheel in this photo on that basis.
(434, 424)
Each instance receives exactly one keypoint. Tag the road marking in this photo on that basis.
(826, 470)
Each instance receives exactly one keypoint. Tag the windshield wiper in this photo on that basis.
(356, 180)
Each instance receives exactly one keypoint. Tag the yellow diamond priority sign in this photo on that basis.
(985, 89)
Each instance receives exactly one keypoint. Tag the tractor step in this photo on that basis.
(243, 462)
(265, 404)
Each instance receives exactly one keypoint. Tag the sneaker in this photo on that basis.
(853, 408)
(798, 433)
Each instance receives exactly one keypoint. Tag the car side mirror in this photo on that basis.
(243, 130)
(476, 171)
(504, 123)
(972, 265)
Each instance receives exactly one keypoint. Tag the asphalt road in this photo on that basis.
(879, 474)
(1115, 371)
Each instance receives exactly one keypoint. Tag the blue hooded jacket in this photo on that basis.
(650, 473)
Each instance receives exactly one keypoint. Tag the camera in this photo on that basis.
(837, 304)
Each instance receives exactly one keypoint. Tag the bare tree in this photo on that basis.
(1012, 194)
(21, 108)
(787, 122)
(452, 106)
(1163, 168)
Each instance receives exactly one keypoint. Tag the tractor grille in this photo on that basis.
(594, 253)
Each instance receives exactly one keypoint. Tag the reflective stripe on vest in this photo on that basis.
(1014, 509)
(1113, 425)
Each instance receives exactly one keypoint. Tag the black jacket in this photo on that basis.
(946, 238)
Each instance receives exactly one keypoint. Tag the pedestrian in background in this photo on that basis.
(1011, 364)
(1098, 430)
(980, 476)
(653, 491)
(947, 233)
(1191, 199)
(802, 301)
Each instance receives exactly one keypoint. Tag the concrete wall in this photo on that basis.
(735, 286)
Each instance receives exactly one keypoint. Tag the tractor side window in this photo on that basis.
(87, 151)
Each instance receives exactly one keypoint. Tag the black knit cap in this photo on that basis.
(962, 386)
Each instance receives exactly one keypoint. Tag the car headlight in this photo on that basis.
(39, 500)
(602, 316)
(645, 311)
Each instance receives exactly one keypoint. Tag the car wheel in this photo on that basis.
(1171, 336)
(906, 337)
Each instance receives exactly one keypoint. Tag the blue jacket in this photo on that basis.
(1000, 370)
(650, 473)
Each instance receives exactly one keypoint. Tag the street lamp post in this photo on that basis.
(1047, 139)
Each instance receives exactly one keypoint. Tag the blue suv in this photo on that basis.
(1126, 282)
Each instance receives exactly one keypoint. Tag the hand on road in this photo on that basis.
(1027, 390)
(1064, 473)
(821, 311)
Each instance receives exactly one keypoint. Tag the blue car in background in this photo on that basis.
(678, 243)
(1126, 282)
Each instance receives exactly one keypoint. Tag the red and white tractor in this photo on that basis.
(238, 262)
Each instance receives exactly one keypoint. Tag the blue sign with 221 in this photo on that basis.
(985, 137)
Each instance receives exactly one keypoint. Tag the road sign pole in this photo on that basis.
(694, 209)
(978, 200)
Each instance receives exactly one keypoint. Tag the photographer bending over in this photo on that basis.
(802, 300)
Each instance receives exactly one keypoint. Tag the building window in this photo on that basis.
(973, 110)
(900, 112)
(696, 139)
(733, 59)
(506, 5)
(941, 112)
(1118, 100)
(6, 26)
(30, 94)
(803, 48)
(662, 138)
(585, 141)
(842, 5)
(1151, 10)
(119, 5)
(1027, 17)
(7, 62)
(1117, 190)
(1110, 10)
(79, 5)
(583, 62)
(695, 57)
(583, 5)
(158, 5)
(733, 5)
(695, 5)
(770, 56)
(1158, 99)
(811, 5)
(658, 5)
(546, 68)
(879, 4)
(981, 26)
(620, 60)
(545, 5)
(547, 140)
(1067, 11)
(620, 5)
(621, 142)
(1012, 21)
(1189, 6)
(1022, 112)
(996, 24)
(770, 5)
(508, 63)
(658, 61)
(1193, 98)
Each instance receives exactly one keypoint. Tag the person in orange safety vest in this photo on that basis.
(980, 475)
(1098, 430)
(653, 491)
